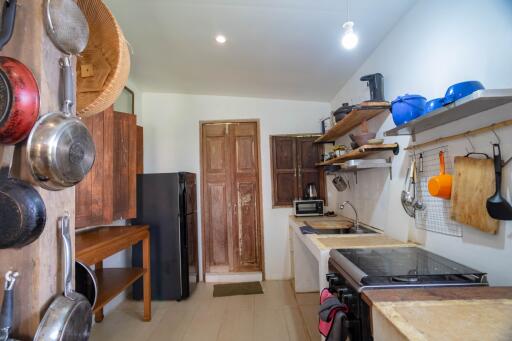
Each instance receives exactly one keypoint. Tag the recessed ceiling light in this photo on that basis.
(221, 39)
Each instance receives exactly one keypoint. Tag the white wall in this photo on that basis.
(436, 44)
(171, 144)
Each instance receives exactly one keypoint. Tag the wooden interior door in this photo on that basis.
(216, 198)
(246, 194)
(231, 197)
(308, 155)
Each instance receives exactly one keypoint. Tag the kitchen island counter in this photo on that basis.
(458, 313)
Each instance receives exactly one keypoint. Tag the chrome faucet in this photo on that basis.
(342, 206)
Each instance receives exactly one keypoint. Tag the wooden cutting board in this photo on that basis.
(473, 183)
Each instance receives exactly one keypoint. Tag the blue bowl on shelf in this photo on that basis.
(460, 90)
(407, 107)
(434, 104)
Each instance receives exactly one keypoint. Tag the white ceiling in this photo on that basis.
(288, 49)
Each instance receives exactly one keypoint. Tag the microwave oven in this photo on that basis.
(308, 208)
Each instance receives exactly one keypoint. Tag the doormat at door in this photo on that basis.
(235, 289)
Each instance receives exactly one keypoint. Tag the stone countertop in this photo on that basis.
(457, 313)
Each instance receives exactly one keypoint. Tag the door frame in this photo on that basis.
(260, 196)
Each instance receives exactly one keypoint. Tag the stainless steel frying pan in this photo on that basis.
(69, 317)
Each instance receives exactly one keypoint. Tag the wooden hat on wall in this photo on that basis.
(103, 67)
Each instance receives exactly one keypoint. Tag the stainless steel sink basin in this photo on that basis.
(352, 230)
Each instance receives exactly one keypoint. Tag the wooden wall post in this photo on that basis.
(39, 263)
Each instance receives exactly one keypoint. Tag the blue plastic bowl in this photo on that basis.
(434, 104)
(463, 89)
(407, 107)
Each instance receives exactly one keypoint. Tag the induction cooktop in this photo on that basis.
(403, 265)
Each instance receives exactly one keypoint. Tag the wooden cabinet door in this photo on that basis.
(284, 170)
(93, 195)
(140, 150)
(125, 166)
(216, 198)
(308, 155)
(246, 196)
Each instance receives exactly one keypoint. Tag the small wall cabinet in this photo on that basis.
(294, 159)
(108, 192)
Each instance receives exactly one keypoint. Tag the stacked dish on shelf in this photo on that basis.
(409, 107)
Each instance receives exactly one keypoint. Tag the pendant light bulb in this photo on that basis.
(350, 39)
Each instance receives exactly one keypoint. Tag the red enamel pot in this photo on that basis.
(19, 94)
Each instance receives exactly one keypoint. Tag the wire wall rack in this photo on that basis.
(436, 216)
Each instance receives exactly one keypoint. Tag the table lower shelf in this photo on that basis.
(113, 281)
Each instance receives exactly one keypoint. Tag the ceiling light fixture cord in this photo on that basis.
(348, 10)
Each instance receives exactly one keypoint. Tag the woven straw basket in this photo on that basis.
(103, 67)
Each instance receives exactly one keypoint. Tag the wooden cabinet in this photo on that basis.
(108, 192)
(294, 161)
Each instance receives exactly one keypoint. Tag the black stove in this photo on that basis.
(353, 271)
(403, 266)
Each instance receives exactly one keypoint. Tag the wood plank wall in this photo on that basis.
(40, 262)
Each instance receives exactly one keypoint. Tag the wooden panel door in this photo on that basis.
(216, 198)
(308, 154)
(230, 169)
(246, 204)
(125, 166)
(284, 170)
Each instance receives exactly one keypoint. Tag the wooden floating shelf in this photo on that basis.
(112, 281)
(361, 153)
(353, 119)
(475, 103)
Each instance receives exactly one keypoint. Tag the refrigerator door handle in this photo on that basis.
(180, 251)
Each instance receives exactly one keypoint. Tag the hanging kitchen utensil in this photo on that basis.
(104, 65)
(66, 25)
(497, 206)
(22, 210)
(60, 148)
(473, 183)
(406, 195)
(19, 94)
(417, 204)
(86, 282)
(339, 183)
(441, 185)
(7, 313)
(69, 316)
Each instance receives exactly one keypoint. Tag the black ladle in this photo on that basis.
(497, 206)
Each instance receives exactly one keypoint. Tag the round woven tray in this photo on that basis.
(103, 67)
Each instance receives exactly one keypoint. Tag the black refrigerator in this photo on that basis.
(167, 203)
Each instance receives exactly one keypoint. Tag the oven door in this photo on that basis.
(304, 208)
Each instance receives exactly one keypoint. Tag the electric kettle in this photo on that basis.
(310, 192)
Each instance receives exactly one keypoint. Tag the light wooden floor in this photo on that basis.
(277, 315)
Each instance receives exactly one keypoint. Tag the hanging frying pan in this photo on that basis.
(69, 316)
(86, 282)
(60, 148)
(19, 94)
(22, 210)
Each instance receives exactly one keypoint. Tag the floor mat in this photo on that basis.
(234, 289)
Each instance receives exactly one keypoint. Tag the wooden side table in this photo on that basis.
(93, 246)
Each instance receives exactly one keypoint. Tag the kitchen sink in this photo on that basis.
(352, 230)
